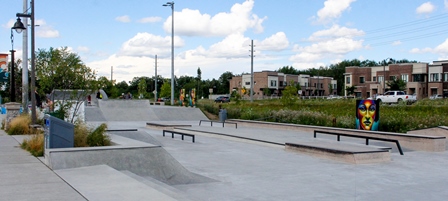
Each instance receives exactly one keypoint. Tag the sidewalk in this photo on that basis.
(25, 177)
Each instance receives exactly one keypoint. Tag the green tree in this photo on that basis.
(330, 88)
(64, 70)
(142, 88)
(288, 70)
(396, 84)
(224, 82)
(122, 87)
(350, 90)
(165, 90)
(289, 94)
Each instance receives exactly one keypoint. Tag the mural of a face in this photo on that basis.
(366, 114)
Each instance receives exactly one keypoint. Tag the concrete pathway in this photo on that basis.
(25, 177)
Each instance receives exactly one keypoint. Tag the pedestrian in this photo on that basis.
(89, 100)
(98, 95)
(129, 95)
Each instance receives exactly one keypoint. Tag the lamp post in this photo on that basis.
(12, 85)
(172, 49)
(19, 27)
(384, 75)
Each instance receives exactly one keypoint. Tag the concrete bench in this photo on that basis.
(178, 133)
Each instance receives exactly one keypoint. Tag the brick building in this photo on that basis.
(421, 79)
(274, 83)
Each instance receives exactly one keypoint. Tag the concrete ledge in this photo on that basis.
(341, 152)
(140, 158)
(409, 141)
(156, 103)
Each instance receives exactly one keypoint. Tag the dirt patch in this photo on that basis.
(211, 116)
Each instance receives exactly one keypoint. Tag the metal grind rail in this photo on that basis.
(358, 136)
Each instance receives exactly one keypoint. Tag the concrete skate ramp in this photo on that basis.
(140, 158)
(172, 113)
(94, 114)
(127, 110)
(141, 110)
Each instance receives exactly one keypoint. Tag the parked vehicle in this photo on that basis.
(396, 97)
(222, 99)
(334, 97)
(436, 96)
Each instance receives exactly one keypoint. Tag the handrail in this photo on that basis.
(223, 122)
(358, 136)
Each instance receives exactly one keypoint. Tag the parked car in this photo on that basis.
(222, 99)
(436, 96)
(334, 97)
(396, 97)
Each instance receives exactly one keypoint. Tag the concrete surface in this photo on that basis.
(240, 170)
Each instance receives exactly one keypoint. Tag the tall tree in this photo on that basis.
(64, 70)
(224, 82)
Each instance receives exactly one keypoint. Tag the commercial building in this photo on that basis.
(272, 83)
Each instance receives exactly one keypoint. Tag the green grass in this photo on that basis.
(336, 113)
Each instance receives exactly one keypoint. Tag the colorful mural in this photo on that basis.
(3, 62)
(367, 114)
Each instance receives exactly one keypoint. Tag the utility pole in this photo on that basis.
(155, 82)
(251, 71)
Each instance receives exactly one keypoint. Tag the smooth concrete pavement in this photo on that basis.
(238, 170)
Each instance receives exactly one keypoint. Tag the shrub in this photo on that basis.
(99, 137)
(19, 125)
(81, 132)
(34, 144)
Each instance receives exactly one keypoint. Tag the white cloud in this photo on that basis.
(44, 30)
(335, 32)
(83, 49)
(327, 49)
(333, 9)
(425, 8)
(192, 23)
(442, 48)
(145, 44)
(150, 20)
(276, 42)
(124, 19)
(233, 46)
(395, 43)
(446, 4)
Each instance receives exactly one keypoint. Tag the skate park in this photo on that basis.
(234, 160)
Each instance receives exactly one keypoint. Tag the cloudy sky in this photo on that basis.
(216, 35)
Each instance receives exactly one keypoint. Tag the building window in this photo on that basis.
(361, 80)
(417, 78)
(374, 78)
(273, 83)
(445, 77)
(380, 78)
(321, 85)
(392, 77)
(315, 84)
(405, 77)
(239, 83)
(347, 80)
(247, 83)
(434, 77)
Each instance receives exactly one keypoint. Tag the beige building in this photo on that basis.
(273, 83)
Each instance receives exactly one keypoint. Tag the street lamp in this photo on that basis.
(172, 49)
(19, 27)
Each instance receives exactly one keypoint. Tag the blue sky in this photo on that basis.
(215, 35)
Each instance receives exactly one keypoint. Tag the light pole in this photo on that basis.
(384, 75)
(19, 27)
(12, 85)
(25, 84)
(172, 49)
